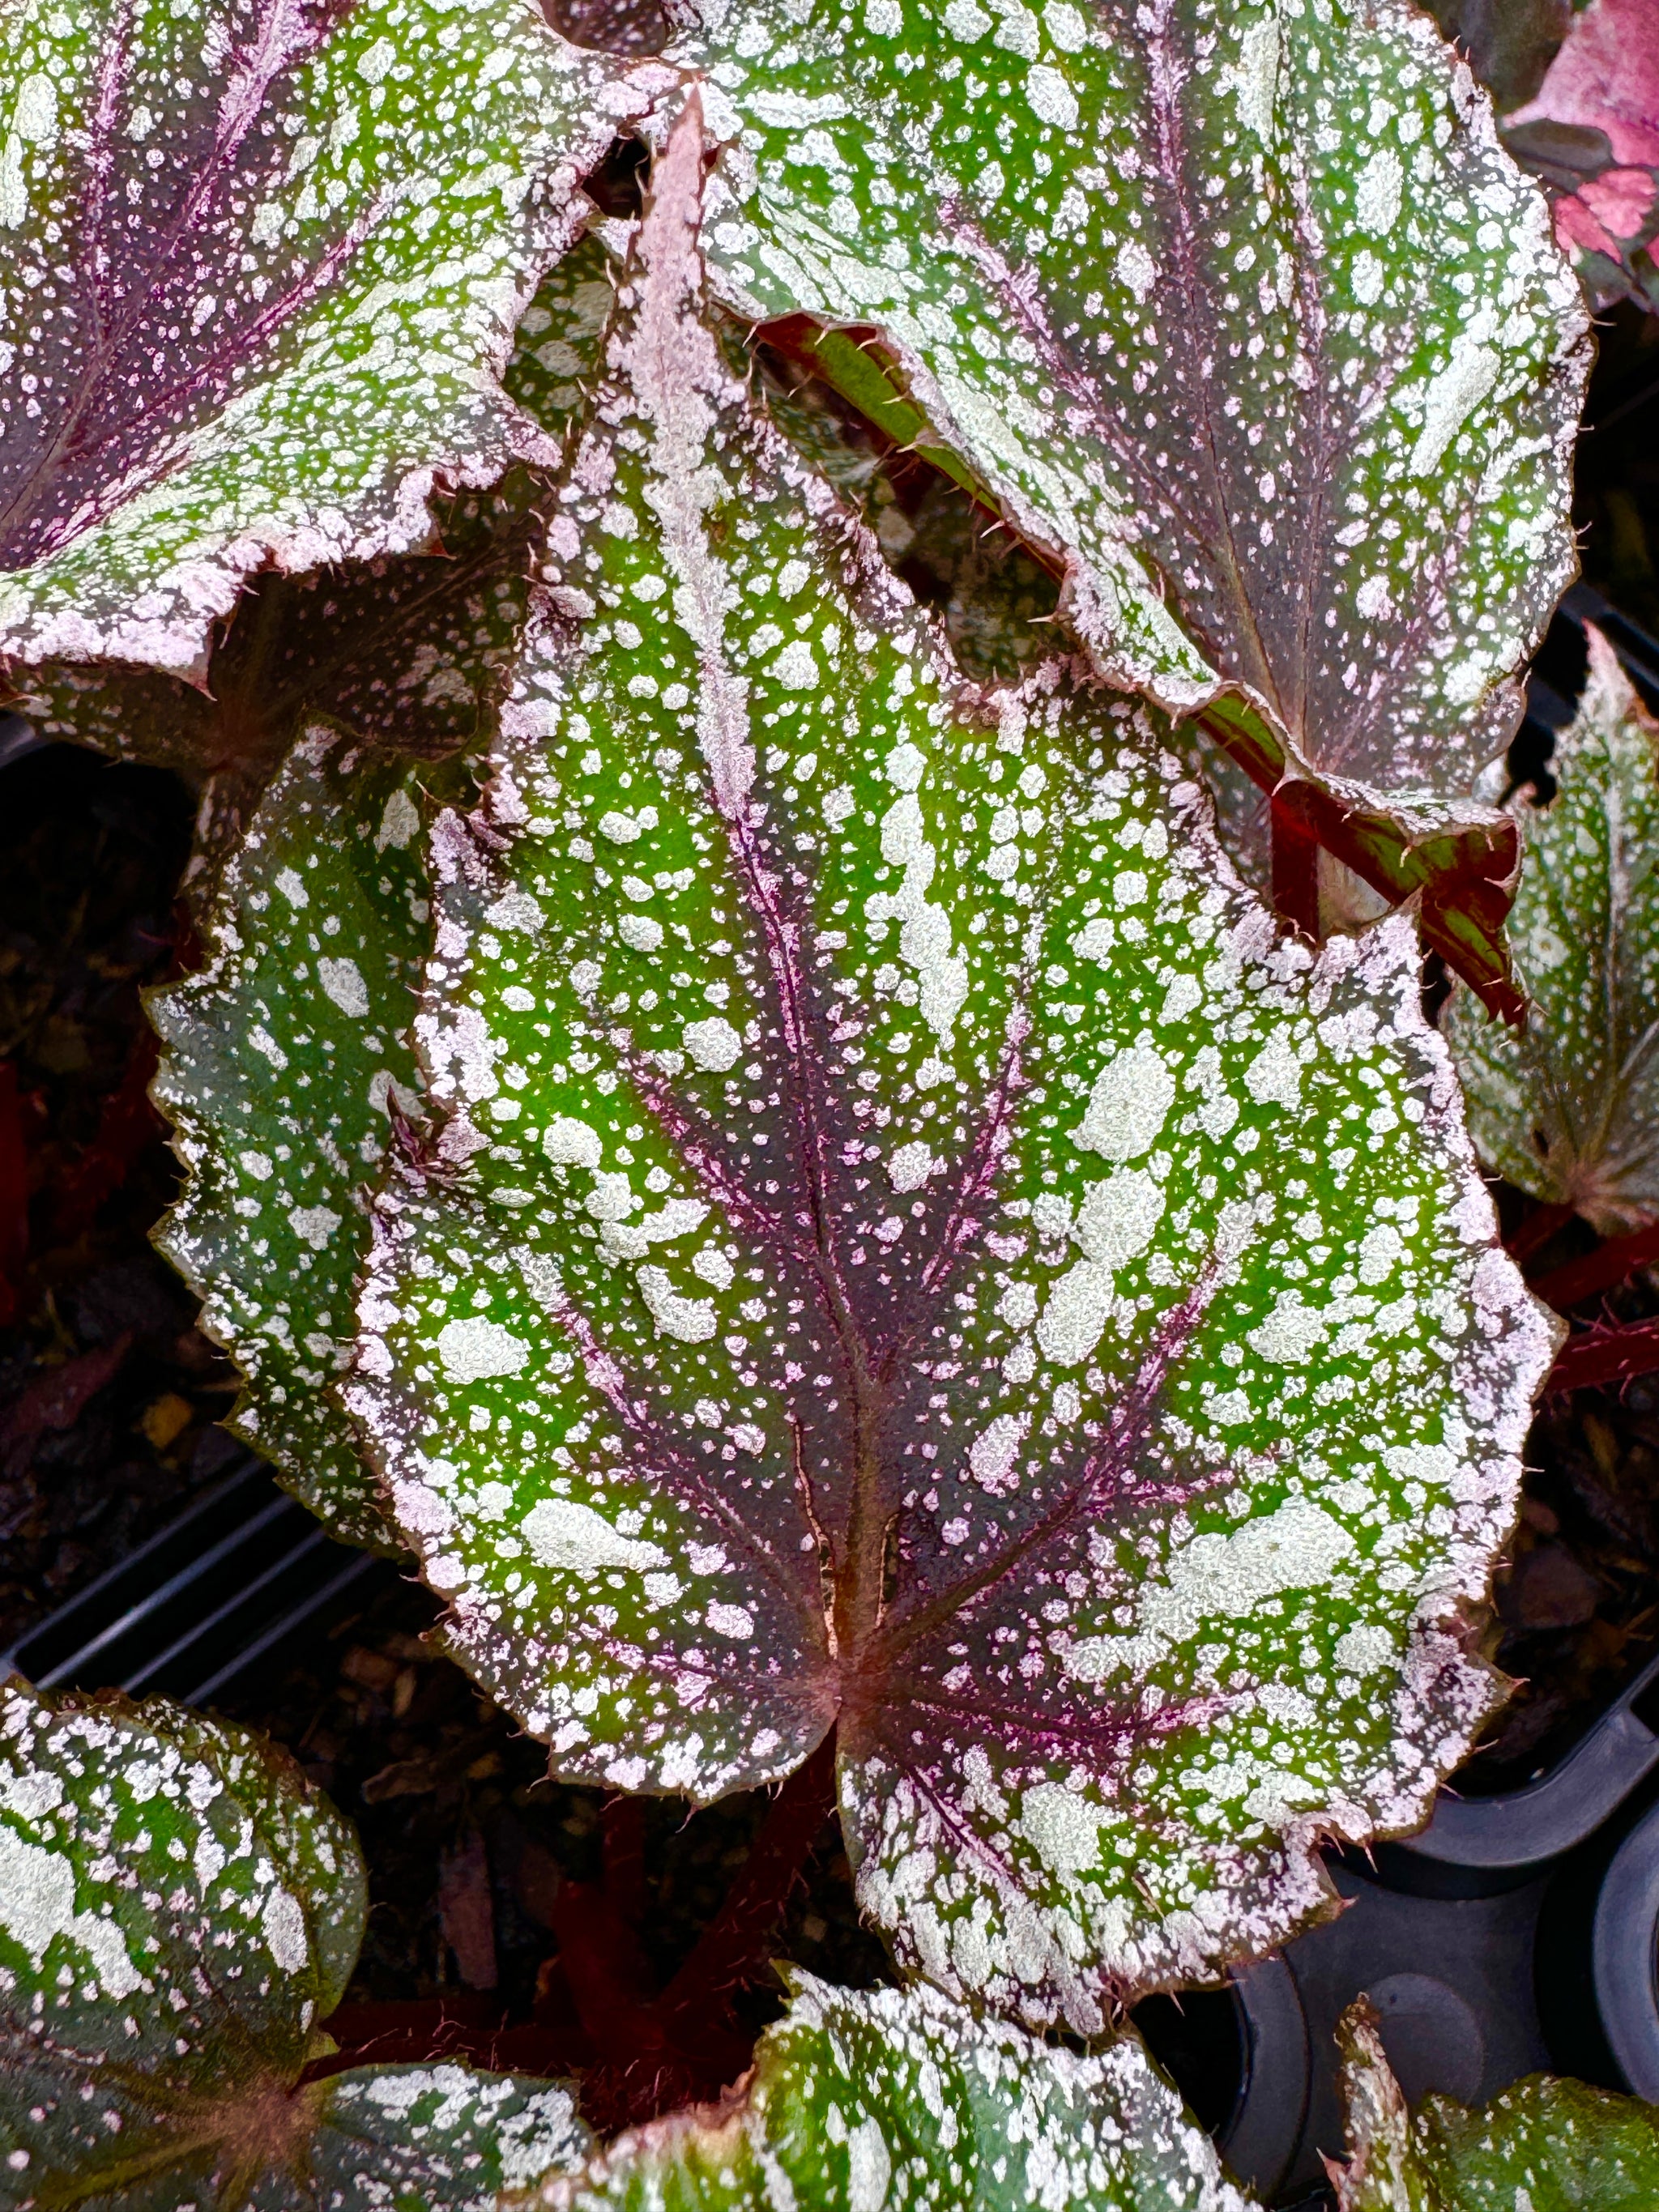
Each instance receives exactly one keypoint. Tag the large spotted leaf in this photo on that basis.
(911, 1251)
(903, 2098)
(285, 1056)
(1240, 309)
(1569, 1110)
(1554, 2146)
(263, 263)
(178, 1914)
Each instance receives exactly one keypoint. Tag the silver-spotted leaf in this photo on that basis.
(283, 1059)
(903, 2098)
(1243, 309)
(263, 263)
(1542, 2146)
(178, 1913)
(1569, 1108)
(911, 1250)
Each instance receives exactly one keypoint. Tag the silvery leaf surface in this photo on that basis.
(901, 2097)
(263, 263)
(413, 653)
(1569, 1108)
(912, 1250)
(1243, 310)
(178, 1912)
(283, 1058)
(1558, 2146)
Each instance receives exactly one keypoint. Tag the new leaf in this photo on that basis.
(178, 1913)
(912, 1251)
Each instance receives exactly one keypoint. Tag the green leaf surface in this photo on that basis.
(1542, 2146)
(1569, 1108)
(263, 263)
(912, 1250)
(1243, 310)
(902, 2098)
(178, 1912)
(281, 1057)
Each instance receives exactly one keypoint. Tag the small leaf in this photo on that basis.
(1246, 313)
(262, 270)
(1592, 133)
(914, 1253)
(283, 1057)
(1555, 2146)
(903, 2098)
(178, 1912)
(1569, 1110)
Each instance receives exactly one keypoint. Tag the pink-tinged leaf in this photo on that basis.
(263, 263)
(1592, 132)
(912, 1250)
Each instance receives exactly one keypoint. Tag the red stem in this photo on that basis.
(734, 1945)
(1295, 867)
(622, 1834)
(1536, 1231)
(1601, 1357)
(1602, 1270)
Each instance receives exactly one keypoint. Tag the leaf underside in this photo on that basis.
(178, 1912)
(1558, 2146)
(902, 2098)
(912, 1250)
(1569, 1110)
(1243, 310)
(264, 259)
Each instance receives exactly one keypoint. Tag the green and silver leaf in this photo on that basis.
(1241, 308)
(178, 1913)
(1540, 2146)
(283, 1058)
(903, 2098)
(912, 1251)
(264, 259)
(1569, 1108)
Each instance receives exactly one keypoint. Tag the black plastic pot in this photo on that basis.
(218, 1592)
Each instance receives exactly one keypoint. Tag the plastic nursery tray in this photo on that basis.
(199, 1605)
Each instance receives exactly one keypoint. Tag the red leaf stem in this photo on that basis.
(1601, 1357)
(1536, 1231)
(1295, 863)
(1602, 1270)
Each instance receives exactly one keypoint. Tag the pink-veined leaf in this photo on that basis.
(911, 1250)
(263, 260)
(1244, 312)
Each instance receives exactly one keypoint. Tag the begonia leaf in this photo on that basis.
(263, 263)
(1540, 2146)
(903, 2098)
(1592, 133)
(1569, 1108)
(1509, 44)
(180, 1911)
(412, 652)
(912, 1250)
(1245, 313)
(282, 1060)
